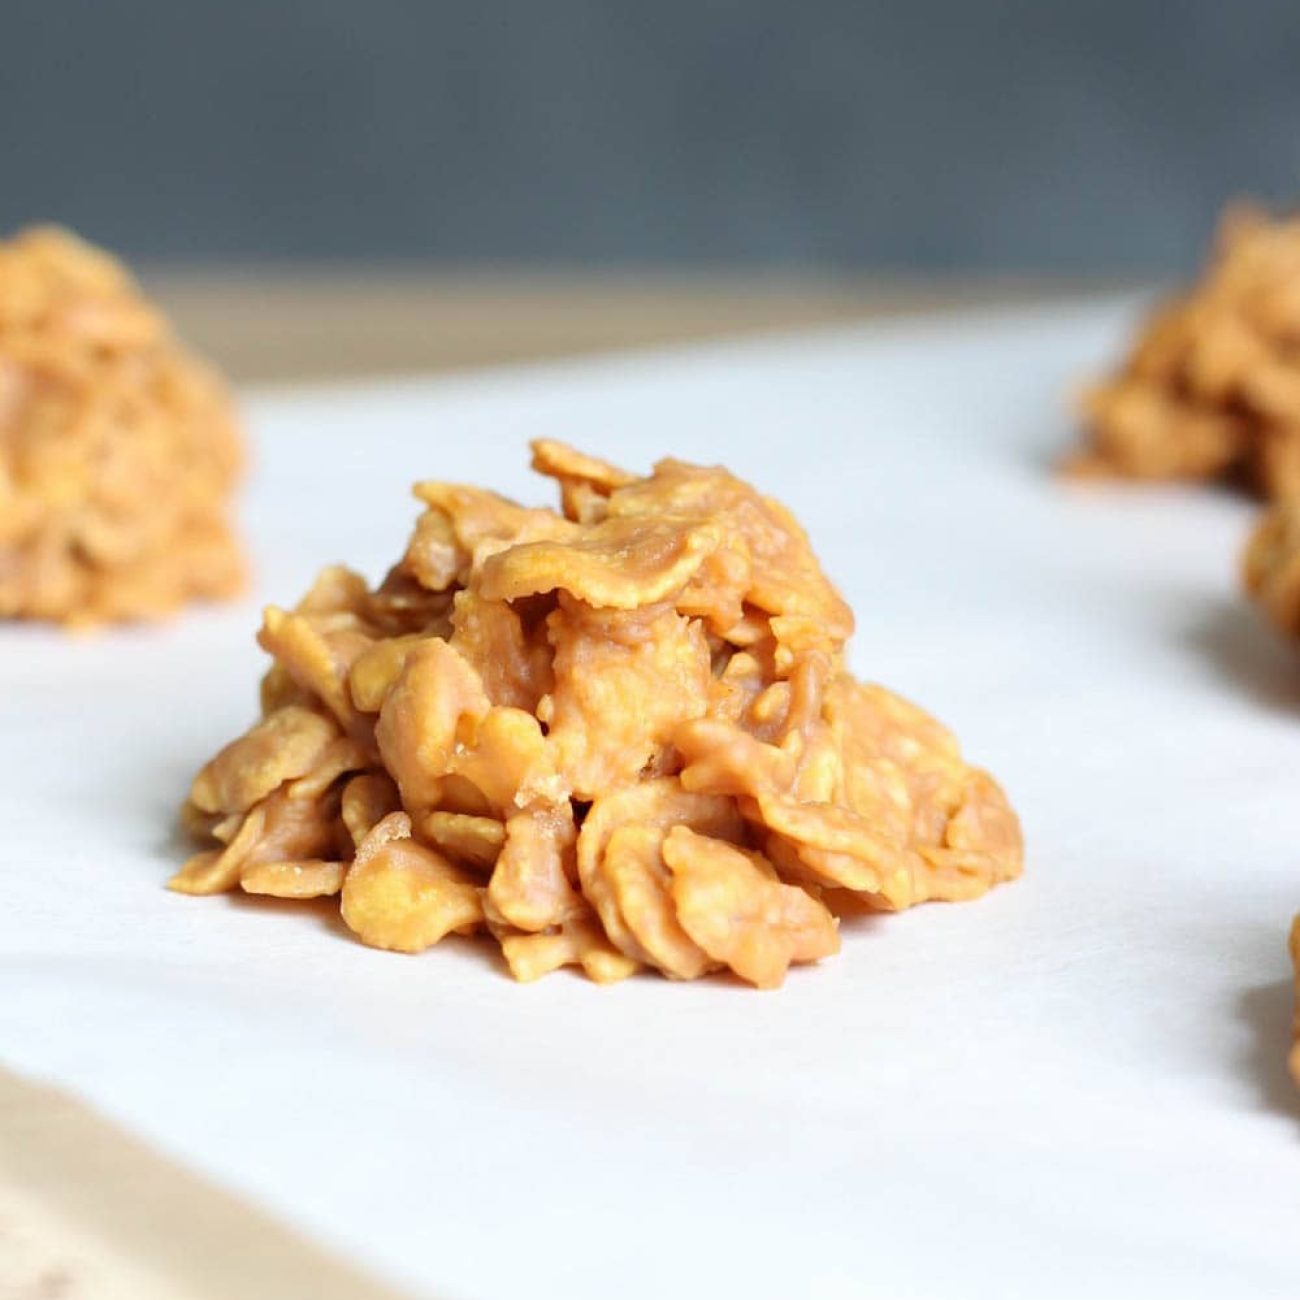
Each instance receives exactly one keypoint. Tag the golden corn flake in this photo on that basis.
(575, 943)
(403, 895)
(118, 450)
(533, 877)
(1211, 387)
(733, 904)
(616, 737)
(311, 879)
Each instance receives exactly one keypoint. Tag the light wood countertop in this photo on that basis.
(277, 325)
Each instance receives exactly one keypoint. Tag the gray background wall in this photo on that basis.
(1097, 134)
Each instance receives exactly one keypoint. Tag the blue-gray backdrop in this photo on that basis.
(982, 134)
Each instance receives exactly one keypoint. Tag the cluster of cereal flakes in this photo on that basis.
(118, 450)
(617, 737)
(1211, 388)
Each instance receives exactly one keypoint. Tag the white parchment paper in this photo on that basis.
(1070, 1089)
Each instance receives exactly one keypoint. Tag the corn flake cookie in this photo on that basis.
(1211, 387)
(618, 736)
(118, 450)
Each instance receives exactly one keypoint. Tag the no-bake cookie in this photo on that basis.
(620, 735)
(119, 450)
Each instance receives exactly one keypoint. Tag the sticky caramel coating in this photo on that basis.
(118, 450)
(1211, 386)
(620, 737)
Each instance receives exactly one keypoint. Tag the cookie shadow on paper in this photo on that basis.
(1246, 653)
(1266, 1011)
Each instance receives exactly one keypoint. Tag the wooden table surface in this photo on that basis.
(86, 1211)
(281, 326)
